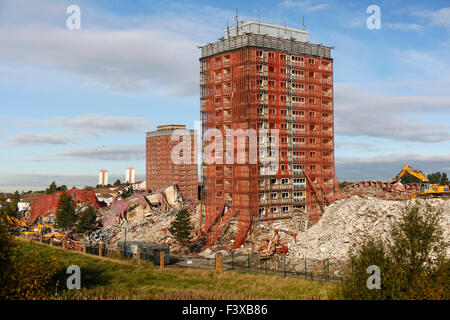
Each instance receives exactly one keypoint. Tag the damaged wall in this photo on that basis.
(47, 204)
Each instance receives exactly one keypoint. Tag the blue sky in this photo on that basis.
(76, 101)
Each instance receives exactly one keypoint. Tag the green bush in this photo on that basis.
(23, 273)
(412, 261)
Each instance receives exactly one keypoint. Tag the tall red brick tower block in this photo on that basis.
(161, 170)
(263, 76)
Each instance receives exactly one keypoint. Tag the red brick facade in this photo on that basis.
(160, 169)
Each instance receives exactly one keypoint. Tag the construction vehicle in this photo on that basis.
(275, 246)
(65, 241)
(426, 189)
(39, 230)
(17, 225)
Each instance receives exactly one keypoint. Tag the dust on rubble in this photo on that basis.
(143, 218)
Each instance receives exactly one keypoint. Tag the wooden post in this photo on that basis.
(85, 248)
(162, 255)
(118, 251)
(100, 250)
(138, 255)
(219, 262)
(51, 242)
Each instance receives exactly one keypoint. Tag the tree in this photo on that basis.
(434, 178)
(127, 192)
(181, 228)
(62, 188)
(444, 180)
(117, 183)
(66, 217)
(343, 184)
(12, 209)
(86, 223)
(413, 260)
(408, 178)
(52, 189)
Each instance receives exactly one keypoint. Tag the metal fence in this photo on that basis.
(312, 269)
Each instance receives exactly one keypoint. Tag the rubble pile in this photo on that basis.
(381, 190)
(346, 222)
(142, 218)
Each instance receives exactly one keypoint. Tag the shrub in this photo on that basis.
(23, 273)
(413, 260)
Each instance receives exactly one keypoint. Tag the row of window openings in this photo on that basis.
(273, 97)
(284, 209)
(284, 195)
(271, 55)
(283, 181)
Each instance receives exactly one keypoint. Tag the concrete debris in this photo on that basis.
(342, 225)
(348, 221)
(381, 190)
(142, 218)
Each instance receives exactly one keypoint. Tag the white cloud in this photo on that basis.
(33, 139)
(404, 26)
(306, 5)
(105, 153)
(360, 113)
(100, 125)
(436, 18)
(72, 130)
(136, 59)
(155, 52)
(383, 168)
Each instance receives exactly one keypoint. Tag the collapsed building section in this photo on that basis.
(266, 77)
(48, 204)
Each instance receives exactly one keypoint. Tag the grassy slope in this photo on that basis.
(103, 279)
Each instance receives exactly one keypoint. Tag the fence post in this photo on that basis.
(284, 265)
(265, 262)
(248, 262)
(119, 252)
(306, 266)
(219, 262)
(328, 270)
(232, 259)
(161, 259)
(100, 250)
(138, 255)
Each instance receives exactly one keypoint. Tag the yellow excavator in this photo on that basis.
(426, 190)
(17, 225)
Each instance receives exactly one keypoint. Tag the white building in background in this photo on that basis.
(103, 177)
(139, 185)
(23, 205)
(130, 175)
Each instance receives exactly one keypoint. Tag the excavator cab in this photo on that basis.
(424, 183)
